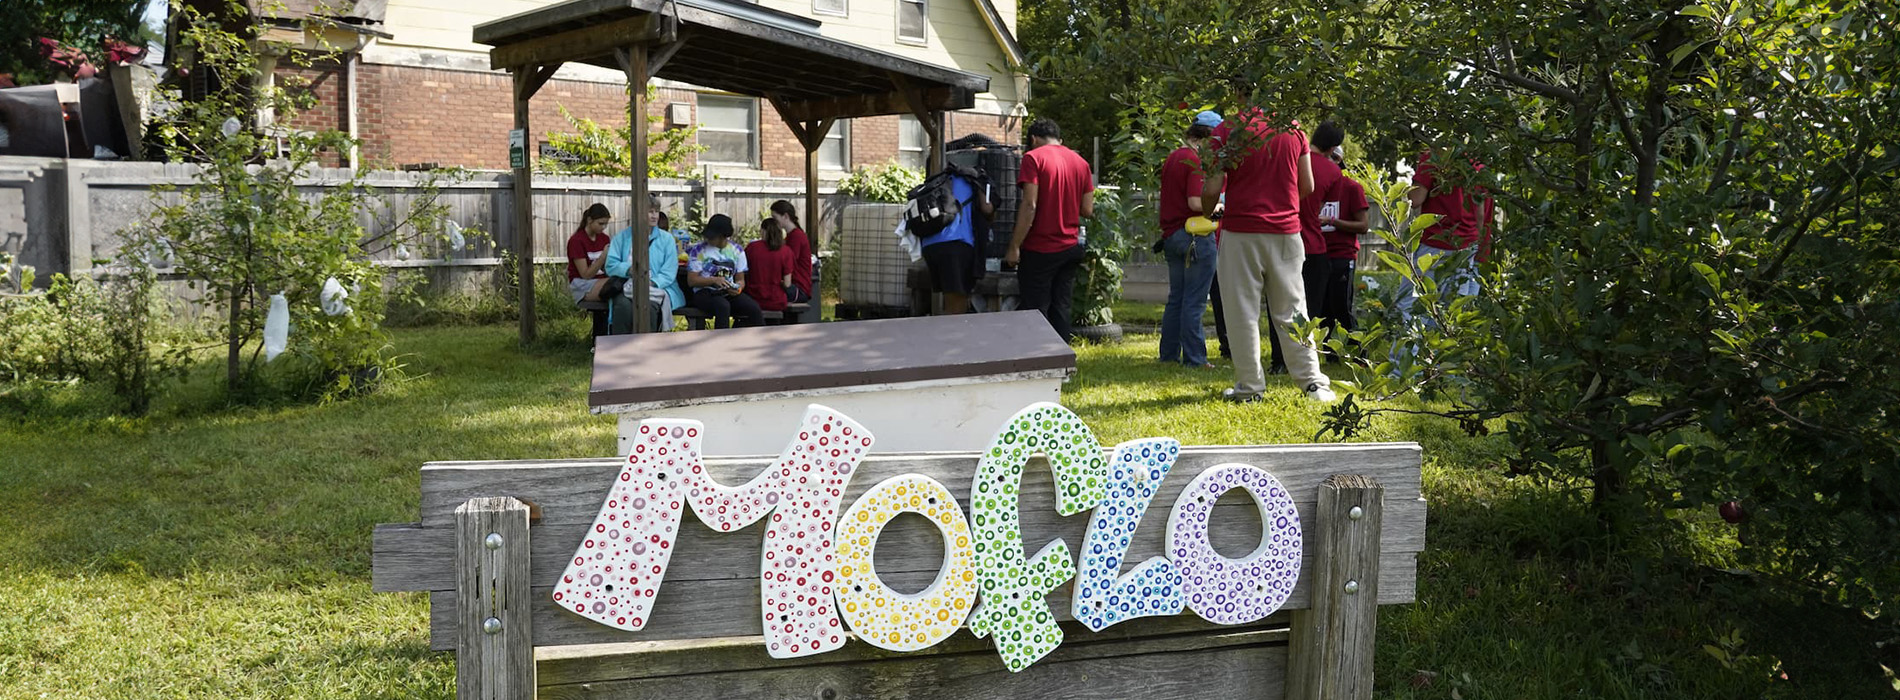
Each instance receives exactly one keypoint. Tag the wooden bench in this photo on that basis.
(597, 310)
(493, 537)
(696, 319)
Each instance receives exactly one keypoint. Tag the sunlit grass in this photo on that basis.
(216, 552)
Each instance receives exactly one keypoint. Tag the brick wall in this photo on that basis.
(410, 114)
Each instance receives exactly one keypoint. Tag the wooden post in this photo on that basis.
(636, 65)
(524, 207)
(933, 124)
(815, 140)
(494, 649)
(1332, 642)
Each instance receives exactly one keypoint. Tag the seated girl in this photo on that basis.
(768, 275)
(716, 270)
(586, 255)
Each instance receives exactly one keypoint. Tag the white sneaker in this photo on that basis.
(1320, 393)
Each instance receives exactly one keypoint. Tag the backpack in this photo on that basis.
(931, 207)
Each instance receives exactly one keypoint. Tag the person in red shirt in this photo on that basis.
(787, 217)
(1265, 171)
(587, 254)
(1058, 191)
(1190, 256)
(1342, 218)
(769, 263)
(1464, 218)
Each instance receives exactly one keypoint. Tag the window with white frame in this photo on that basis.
(830, 7)
(835, 153)
(912, 17)
(729, 130)
(913, 144)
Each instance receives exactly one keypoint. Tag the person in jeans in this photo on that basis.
(1191, 257)
(1463, 219)
(1265, 171)
(715, 268)
(1058, 191)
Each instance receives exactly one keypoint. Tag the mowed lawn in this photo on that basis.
(209, 552)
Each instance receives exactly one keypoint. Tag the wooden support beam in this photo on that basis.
(796, 126)
(876, 104)
(637, 74)
(933, 126)
(663, 54)
(524, 210)
(578, 44)
(1332, 641)
(538, 76)
(494, 653)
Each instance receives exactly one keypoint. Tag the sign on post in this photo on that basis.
(517, 148)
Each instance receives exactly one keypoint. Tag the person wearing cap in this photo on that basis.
(663, 287)
(1266, 170)
(1046, 248)
(1190, 254)
(715, 268)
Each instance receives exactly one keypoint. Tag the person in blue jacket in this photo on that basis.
(663, 287)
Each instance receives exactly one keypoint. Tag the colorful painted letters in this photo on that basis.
(1013, 609)
(1103, 596)
(816, 570)
(619, 567)
(885, 618)
(1235, 591)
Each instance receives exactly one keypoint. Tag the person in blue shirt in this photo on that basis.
(951, 254)
(663, 287)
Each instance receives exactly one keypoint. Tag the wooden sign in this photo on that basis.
(816, 572)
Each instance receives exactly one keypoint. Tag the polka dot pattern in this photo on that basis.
(1235, 591)
(1013, 609)
(618, 568)
(1103, 596)
(885, 618)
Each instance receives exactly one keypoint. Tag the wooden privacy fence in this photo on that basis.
(494, 537)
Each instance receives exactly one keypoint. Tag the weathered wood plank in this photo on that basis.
(730, 608)
(586, 663)
(571, 491)
(1210, 665)
(1333, 639)
(494, 657)
(410, 557)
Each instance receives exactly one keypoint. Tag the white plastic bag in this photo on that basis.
(402, 252)
(276, 327)
(456, 240)
(230, 127)
(333, 299)
(906, 241)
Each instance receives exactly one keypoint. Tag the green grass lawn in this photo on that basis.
(210, 552)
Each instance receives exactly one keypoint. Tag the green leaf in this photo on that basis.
(1709, 276)
(1424, 221)
(1697, 11)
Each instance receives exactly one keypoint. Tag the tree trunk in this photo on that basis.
(1607, 477)
(234, 344)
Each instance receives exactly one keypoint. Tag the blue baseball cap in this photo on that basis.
(1208, 118)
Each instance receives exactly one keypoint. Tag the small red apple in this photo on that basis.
(1732, 512)
(1181, 106)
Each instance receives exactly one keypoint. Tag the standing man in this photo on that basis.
(1266, 172)
(1463, 218)
(1058, 190)
(1190, 254)
(950, 254)
(1326, 177)
(1342, 219)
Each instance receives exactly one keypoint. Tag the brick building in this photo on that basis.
(423, 92)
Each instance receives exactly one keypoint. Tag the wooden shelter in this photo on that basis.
(812, 81)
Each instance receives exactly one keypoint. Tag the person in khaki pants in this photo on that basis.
(1265, 172)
